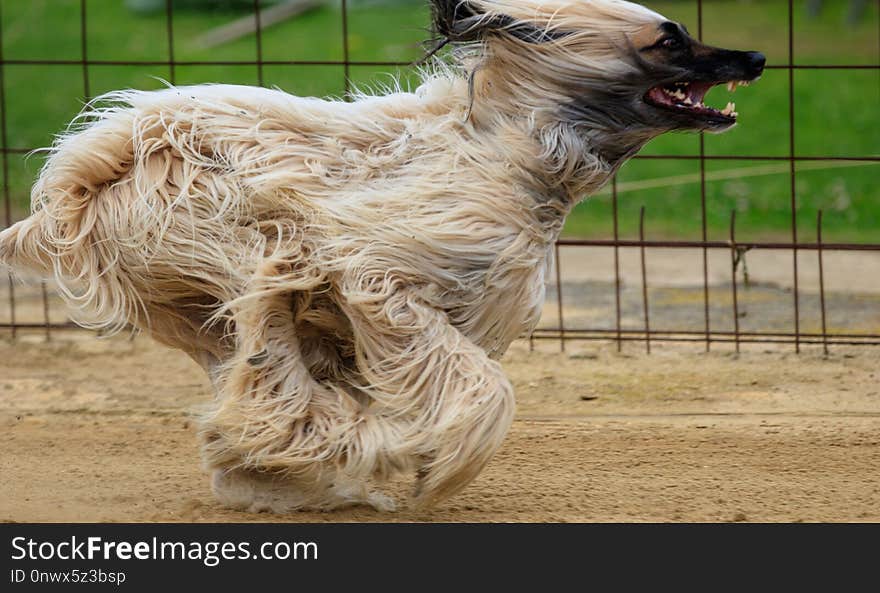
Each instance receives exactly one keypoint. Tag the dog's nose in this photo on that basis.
(757, 60)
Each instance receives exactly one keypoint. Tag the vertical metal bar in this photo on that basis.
(169, 30)
(792, 173)
(703, 212)
(46, 323)
(7, 203)
(733, 264)
(559, 298)
(87, 96)
(821, 280)
(83, 36)
(259, 38)
(347, 81)
(644, 281)
(7, 200)
(616, 263)
(11, 286)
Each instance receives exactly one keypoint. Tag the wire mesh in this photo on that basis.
(563, 330)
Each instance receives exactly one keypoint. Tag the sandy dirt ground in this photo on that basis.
(104, 430)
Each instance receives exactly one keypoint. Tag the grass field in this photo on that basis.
(836, 111)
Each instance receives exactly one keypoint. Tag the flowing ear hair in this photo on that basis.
(458, 21)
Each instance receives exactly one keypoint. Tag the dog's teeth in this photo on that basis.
(687, 101)
(731, 86)
(729, 109)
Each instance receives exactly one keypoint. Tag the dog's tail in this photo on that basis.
(94, 152)
(8, 239)
(69, 201)
(20, 249)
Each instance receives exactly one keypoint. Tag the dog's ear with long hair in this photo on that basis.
(460, 21)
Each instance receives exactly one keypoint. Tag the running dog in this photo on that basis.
(349, 272)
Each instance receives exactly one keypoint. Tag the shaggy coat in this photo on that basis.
(348, 273)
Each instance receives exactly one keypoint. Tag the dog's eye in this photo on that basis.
(671, 43)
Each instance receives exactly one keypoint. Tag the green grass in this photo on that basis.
(836, 112)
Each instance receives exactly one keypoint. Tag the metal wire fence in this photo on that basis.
(564, 328)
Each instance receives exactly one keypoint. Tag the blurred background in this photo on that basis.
(57, 53)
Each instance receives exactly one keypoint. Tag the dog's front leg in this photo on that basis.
(453, 402)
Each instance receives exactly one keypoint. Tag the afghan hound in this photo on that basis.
(348, 273)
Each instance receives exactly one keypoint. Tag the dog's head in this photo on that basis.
(679, 71)
(604, 65)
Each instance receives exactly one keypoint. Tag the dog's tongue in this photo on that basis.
(696, 91)
(689, 96)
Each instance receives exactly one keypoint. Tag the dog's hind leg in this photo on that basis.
(456, 402)
(276, 438)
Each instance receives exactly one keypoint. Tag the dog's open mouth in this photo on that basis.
(687, 97)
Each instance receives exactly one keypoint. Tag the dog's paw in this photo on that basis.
(351, 493)
(260, 493)
(381, 502)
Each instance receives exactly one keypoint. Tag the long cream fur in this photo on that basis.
(347, 273)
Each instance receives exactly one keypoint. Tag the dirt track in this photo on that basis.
(101, 430)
